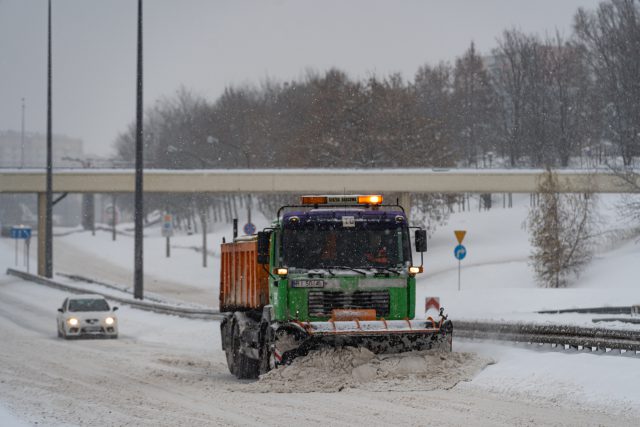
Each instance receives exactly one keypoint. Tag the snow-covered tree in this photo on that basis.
(561, 233)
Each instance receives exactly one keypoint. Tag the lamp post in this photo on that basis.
(48, 229)
(138, 274)
(22, 137)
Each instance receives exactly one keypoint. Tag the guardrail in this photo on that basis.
(193, 313)
(627, 309)
(566, 336)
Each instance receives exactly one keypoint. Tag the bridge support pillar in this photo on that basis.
(405, 202)
(42, 214)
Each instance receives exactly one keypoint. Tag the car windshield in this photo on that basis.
(89, 304)
(329, 244)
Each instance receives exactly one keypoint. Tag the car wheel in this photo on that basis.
(59, 333)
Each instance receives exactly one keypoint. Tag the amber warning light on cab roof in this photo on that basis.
(371, 199)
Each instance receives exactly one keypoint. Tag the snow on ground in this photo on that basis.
(9, 420)
(166, 370)
(597, 381)
(497, 282)
(338, 369)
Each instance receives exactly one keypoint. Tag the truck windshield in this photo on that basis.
(326, 245)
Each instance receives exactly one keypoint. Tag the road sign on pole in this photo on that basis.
(21, 232)
(249, 229)
(460, 235)
(167, 225)
(431, 302)
(459, 252)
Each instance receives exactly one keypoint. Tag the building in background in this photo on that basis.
(22, 208)
(33, 154)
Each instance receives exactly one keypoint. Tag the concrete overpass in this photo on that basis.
(310, 180)
(336, 181)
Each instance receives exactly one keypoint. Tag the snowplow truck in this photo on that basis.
(332, 271)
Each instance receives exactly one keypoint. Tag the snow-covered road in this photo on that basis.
(170, 371)
(166, 370)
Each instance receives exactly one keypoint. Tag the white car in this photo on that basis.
(87, 315)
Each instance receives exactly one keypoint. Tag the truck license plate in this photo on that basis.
(307, 283)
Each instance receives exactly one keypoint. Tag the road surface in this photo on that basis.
(167, 371)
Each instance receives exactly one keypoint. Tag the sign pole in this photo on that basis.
(459, 251)
(167, 232)
(16, 252)
(28, 243)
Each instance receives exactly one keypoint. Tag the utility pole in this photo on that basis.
(48, 246)
(138, 275)
(22, 138)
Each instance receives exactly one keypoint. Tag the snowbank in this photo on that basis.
(333, 370)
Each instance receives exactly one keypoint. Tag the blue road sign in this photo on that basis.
(249, 228)
(20, 232)
(460, 252)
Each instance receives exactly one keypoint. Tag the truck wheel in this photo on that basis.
(245, 367)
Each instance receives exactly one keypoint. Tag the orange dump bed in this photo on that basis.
(244, 284)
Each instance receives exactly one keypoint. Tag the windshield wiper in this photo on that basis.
(388, 269)
(350, 268)
(320, 272)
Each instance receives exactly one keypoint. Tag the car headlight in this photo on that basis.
(109, 320)
(72, 321)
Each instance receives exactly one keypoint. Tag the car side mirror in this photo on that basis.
(421, 240)
(263, 247)
(61, 310)
(114, 309)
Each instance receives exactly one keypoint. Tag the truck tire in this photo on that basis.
(244, 367)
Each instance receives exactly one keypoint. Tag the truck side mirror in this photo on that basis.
(421, 240)
(263, 247)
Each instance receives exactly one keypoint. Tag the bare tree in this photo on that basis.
(612, 36)
(474, 103)
(571, 87)
(509, 78)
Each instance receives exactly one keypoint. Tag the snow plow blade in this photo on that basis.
(379, 336)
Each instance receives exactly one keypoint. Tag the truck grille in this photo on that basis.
(321, 303)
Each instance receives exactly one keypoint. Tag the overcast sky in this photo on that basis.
(207, 45)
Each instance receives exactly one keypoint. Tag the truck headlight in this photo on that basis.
(72, 321)
(109, 320)
(282, 271)
(415, 270)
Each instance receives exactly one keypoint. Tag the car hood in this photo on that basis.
(89, 314)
